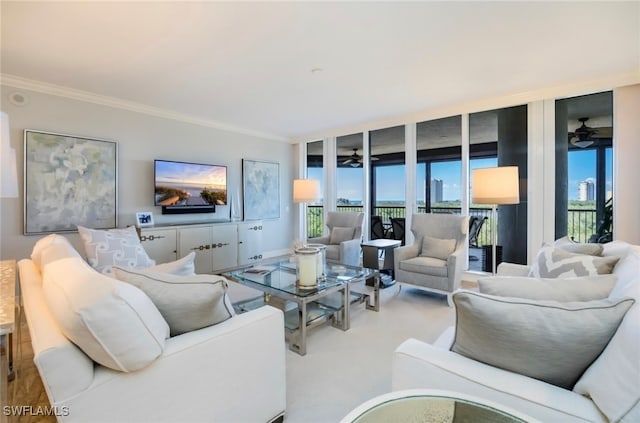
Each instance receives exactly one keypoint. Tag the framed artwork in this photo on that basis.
(144, 219)
(69, 181)
(260, 189)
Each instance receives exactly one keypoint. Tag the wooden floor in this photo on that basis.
(26, 389)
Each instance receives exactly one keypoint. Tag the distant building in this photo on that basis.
(587, 190)
(436, 190)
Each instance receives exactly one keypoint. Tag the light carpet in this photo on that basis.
(343, 369)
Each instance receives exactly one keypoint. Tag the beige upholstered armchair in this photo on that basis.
(345, 237)
(436, 258)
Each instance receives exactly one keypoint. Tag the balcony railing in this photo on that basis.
(581, 222)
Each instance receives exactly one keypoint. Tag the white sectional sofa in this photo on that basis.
(608, 391)
(230, 371)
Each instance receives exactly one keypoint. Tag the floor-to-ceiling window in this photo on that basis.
(499, 137)
(388, 173)
(349, 173)
(584, 168)
(315, 170)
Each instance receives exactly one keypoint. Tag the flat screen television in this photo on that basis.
(182, 187)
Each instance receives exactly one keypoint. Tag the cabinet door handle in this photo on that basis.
(255, 228)
(150, 237)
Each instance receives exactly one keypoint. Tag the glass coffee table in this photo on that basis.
(305, 308)
(433, 406)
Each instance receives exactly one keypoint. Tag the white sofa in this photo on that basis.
(608, 390)
(231, 371)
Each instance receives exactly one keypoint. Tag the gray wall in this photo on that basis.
(141, 139)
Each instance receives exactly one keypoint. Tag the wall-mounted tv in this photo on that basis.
(182, 187)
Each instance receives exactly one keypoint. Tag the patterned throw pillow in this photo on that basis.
(105, 248)
(552, 262)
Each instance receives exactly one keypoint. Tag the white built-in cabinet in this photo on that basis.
(217, 245)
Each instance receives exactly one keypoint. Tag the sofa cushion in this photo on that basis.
(547, 340)
(612, 380)
(425, 265)
(64, 247)
(339, 234)
(186, 302)
(553, 262)
(183, 266)
(113, 322)
(571, 246)
(582, 288)
(437, 248)
(105, 248)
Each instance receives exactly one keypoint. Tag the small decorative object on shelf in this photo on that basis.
(307, 264)
(144, 219)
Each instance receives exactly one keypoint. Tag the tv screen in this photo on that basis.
(180, 184)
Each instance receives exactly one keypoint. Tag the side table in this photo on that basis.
(371, 251)
(7, 323)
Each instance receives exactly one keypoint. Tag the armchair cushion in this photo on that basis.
(546, 340)
(187, 303)
(553, 262)
(425, 265)
(437, 247)
(340, 234)
(584, 288)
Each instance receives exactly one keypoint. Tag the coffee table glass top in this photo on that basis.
(281, 275)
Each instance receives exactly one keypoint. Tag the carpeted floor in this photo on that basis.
(341, 369)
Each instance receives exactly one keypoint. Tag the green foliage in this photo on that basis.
(213, 197)
(166, 193)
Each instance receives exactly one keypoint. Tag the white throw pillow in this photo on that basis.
(547, 340)
(186, 302)
(437, 248)
(113, 322)
(121, 247)
(571, 246)
(553, 262)
(48, 241)
(183, 266)
(582, 288)
(339, 235)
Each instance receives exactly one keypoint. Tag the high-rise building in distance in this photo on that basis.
(587, 190)
(436, 190)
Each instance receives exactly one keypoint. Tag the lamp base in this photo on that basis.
(487, 257)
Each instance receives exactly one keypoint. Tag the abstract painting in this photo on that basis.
(69, 181)
(261, 189)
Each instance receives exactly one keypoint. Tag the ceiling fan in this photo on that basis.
(584, 136)
(355, 160)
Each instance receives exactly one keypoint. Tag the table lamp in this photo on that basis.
(495, 185)
(305, 191)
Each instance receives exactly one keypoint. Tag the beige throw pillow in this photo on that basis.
(437, 248)
(582, 288)
(547, 340)
(183, 266)
(571, 246)
(553, 262)
(339, 234)
(186, 302)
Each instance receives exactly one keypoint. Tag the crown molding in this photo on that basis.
(89, 97)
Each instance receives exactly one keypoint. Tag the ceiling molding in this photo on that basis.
(89, 97)
(554, 92)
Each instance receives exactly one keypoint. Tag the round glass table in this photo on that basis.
(433, 406)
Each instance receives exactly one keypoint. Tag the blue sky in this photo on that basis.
(391, 186)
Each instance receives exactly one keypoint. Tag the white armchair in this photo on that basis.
(345, 237)
(436, 259)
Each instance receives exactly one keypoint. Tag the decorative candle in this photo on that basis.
(307, 266)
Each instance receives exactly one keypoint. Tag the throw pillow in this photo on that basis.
(186, 302)
(547, 340)
(437, 248)
(582, 288)
(552, 262)
(571, 246)
(183, 266)
(105, 248)
(56, 241)
(339, 235)
(113, 322)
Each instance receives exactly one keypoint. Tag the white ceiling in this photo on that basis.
(249, 65)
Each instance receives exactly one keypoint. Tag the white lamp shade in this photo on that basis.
(306, 190)
(495, 185)
(8, 169)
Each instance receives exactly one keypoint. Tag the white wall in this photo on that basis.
(626, 165)
(141, 139)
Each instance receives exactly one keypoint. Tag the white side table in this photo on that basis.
(7, 324)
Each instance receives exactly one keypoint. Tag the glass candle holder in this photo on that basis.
(322, 259)
(307, 265)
